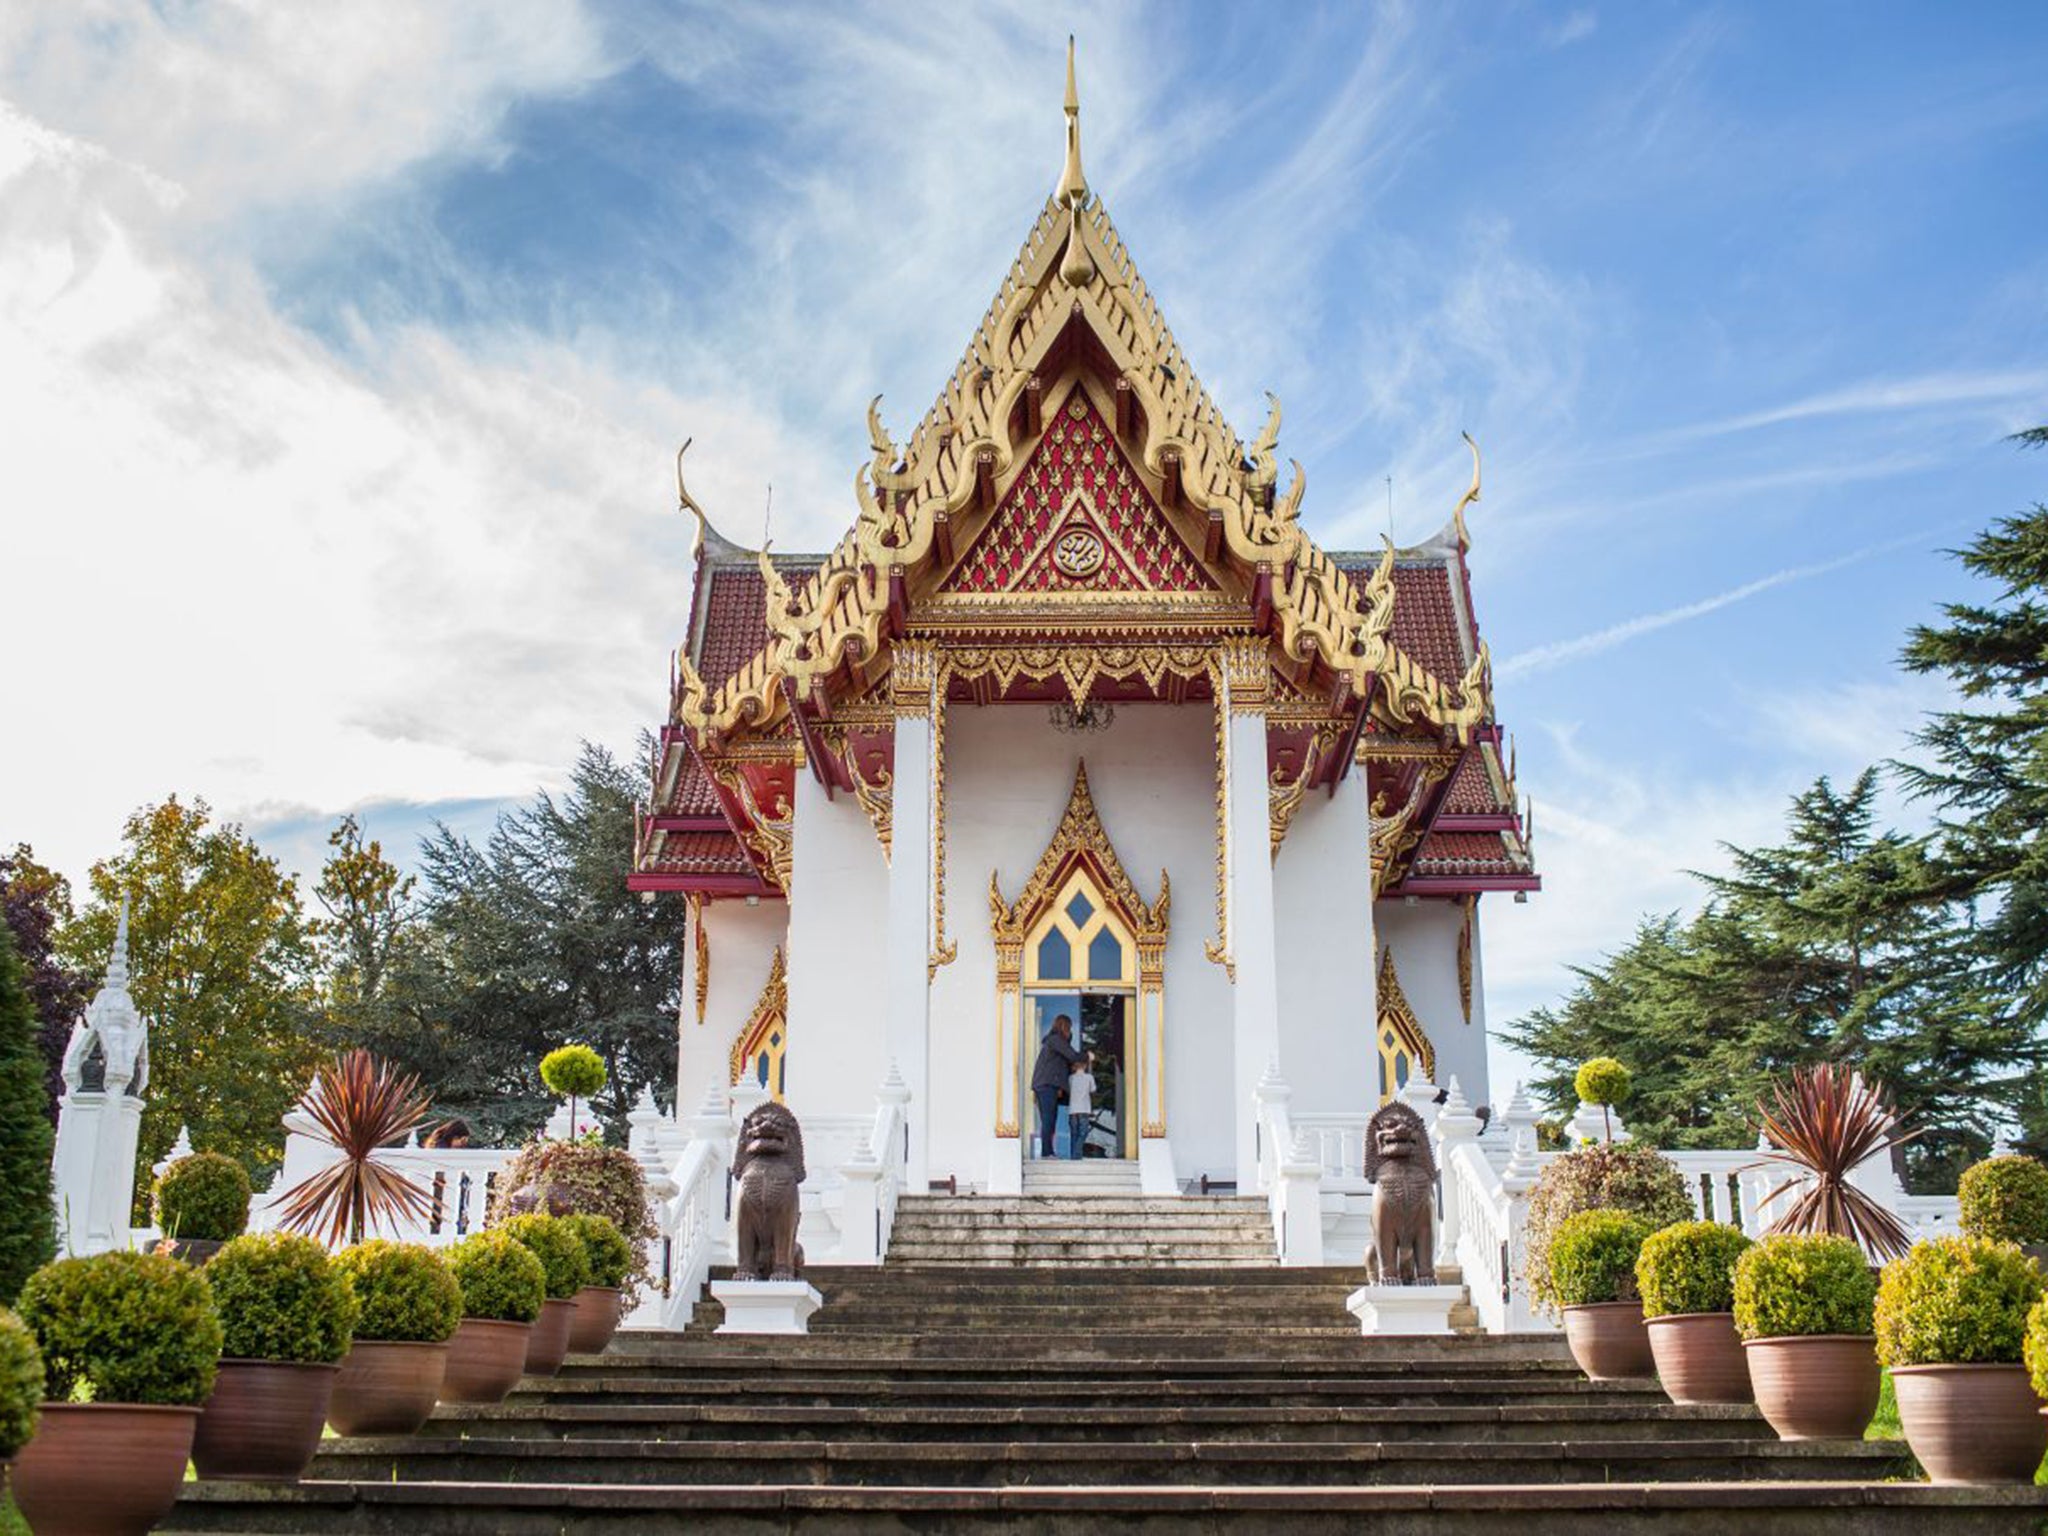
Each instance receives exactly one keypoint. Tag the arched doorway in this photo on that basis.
(1081, 941)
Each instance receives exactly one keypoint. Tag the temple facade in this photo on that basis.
(1078, 721)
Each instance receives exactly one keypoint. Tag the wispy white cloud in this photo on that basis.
(1576, 26)
(1931, 391)
(1558, 653)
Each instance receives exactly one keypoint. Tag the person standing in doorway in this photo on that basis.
(1080, 1103)
(1049, 1079)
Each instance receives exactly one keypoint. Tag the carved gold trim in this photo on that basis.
(1391, 1006)
(1079, 667)
(772, 839)
(1080, 832)
(944, 951)
(1282, 801)
(694, 919)
(1218, 948)
(770, 1009)
(1470, 904)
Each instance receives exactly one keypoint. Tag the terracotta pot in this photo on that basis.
(195, 1250)
(550, 1341)
(103, 1469)
(597, 1319)
(1971, 1423)
(387, 1388)
(262, 1423)
(1699, 1358)
(1820, 1386)
(486, 1358)
(1608, 1340)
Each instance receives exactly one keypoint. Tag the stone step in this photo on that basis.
(1614, 1509)
(1238, 1281)
(1093, 1421)
(1081, 1393)
(871, 1463)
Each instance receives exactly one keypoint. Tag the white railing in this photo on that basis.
(459, 1182)
(1290, 1174)
(873, 1176)
(696, 1222)
(1336, 1143)
(1485, 1209)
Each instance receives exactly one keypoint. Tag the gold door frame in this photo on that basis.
(1080, 845)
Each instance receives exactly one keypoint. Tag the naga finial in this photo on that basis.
(688, 503)
(1073, 190)
(1458, 517)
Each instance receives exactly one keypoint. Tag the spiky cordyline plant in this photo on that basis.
(1824, 1123)
(360, 1104)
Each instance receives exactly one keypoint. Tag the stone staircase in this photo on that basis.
(1047, 1226)
(1061, 1394)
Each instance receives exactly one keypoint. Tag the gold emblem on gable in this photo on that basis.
(1077, 553)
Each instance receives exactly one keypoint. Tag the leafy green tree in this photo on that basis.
(222, 968)
(28, 1233)
(528, 941)
(35, 902)
(1987, 771)
(368, 902)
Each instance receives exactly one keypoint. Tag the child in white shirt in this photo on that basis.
(1080, 1103)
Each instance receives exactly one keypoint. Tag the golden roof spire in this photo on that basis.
(1073, 184)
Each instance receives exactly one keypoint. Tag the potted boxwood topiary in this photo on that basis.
(1952, 1325)
(2005, 1200)
(129, 1342)
(1623, 1177)
(21, 1386)
(287, 1313)
(200, 1202)
(1802, 1306)
(567, 1266)
(1593, 1276)
(599, 1304)
(503, 1290)
(2036, 1350)
(1686, 1274)
(410, 1308)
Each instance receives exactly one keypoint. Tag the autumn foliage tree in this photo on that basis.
(35, 903)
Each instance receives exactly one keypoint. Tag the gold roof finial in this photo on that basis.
(1073, 184)
(688, 503)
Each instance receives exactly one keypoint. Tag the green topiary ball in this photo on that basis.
(1689, 1267)
(123, 1328)
(282, 1298)
(559, 1250)
(1603, 1080)
(202, 1198)
(1797, 1285)
(1956, 1301)
(2036, 1351)
(611, 1256)
(1593, 1257)
(1629, 1177)
(502, 1279)
(2005, 1200)
(406, 1293)
(574, 1071)
(21, 1384)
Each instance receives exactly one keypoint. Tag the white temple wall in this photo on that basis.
(742, 943)
(837, 913)
(1322, 910)
(1008, 777)
(1424, 938)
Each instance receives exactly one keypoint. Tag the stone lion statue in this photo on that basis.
(767, 1167)
(1403, 1174)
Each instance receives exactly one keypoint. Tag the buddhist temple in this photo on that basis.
(1078, 721)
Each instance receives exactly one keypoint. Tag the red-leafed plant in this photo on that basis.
(360, 1104)
(1824, 1124)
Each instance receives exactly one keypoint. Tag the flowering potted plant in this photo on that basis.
(567, 1269)
(1592, 1275)
(561, 1178)
(1686, 1274)
(1952, 1325)
(1621, 1177)
(503, 1289)
(1803, 1306)
(21, 1386)
(130, 1342)
(410, 1306)
(2005, 1199)
(200, 1202)
(598, 1304)
(287, 1313)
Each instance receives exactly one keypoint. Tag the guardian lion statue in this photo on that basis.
(1402, 1170)
(767, 1167)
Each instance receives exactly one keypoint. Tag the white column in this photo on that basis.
(907, 977)
(1255, 1007)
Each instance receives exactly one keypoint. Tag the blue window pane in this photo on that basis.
(1105, 957)
(761, 1069)
(1080, 909)
(1055, 955)
(1401, 1069)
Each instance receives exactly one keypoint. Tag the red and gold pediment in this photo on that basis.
(1078, 519)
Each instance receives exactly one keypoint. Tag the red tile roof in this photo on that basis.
(1426, 626)
(698, 853)
(1469, 853)
(1472, 792)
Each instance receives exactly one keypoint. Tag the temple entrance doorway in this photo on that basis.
(1080, 963)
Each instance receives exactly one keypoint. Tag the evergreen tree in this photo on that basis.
(35, 901)
(27, 1224)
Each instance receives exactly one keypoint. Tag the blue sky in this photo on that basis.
(345, 349)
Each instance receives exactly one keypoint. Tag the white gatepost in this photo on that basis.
(1248, 937)
(1516, 1180)
(1301, 1182)
(92, 1170)
(907, 963)
(1455, 1125)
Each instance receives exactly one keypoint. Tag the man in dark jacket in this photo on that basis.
(1056, 1058)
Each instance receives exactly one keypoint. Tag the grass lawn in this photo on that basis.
(1885, 1426)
